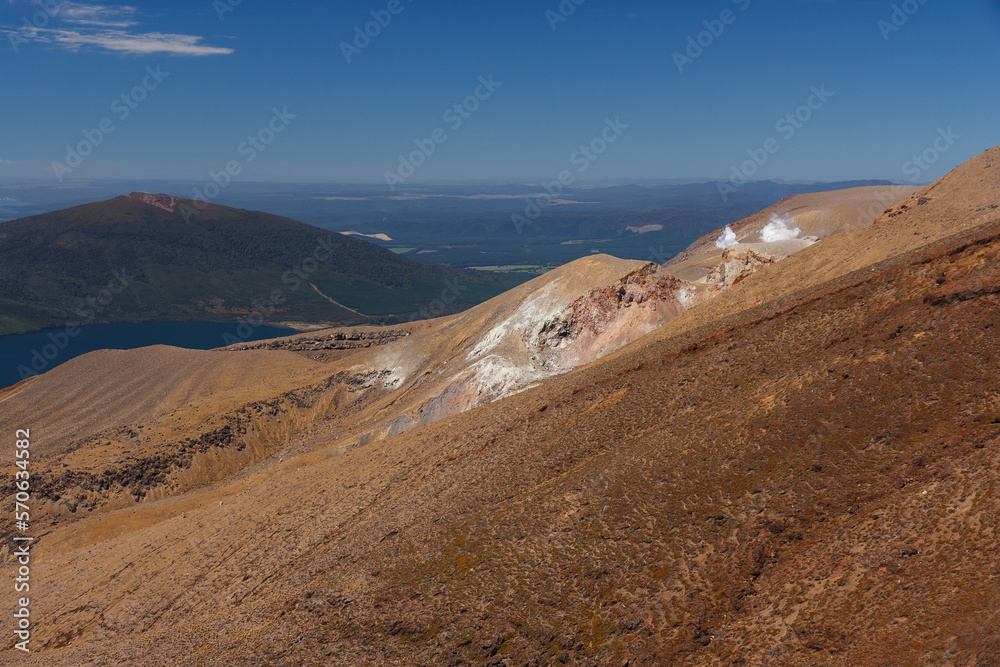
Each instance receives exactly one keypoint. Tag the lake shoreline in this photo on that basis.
(33, 353)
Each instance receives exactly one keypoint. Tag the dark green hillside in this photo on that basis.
(136, 258)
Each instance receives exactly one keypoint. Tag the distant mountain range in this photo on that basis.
(472, 225)
(146, 257)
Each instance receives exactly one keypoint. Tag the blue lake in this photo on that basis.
(47, 349)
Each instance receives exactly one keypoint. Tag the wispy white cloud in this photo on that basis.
(121, 41)
(102, 27)
(104, 16)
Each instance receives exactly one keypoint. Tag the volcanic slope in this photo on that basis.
(818, 214)
(799, 470)
(121, 427)
(117, 427)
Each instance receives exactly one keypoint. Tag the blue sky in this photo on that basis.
(222, 78)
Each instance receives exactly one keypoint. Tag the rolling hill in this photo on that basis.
(156, 257)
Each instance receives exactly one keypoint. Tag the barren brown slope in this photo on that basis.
(819, 214)
(745, 486)
(544, 328)
(136, 424)
(115, 428)
(966, 198)
(113, 389)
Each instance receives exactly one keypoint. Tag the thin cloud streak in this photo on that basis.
(104, 16)
(100, 27)
(135, 43)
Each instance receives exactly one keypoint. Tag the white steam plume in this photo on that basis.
(726, 238)
(781, 228)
